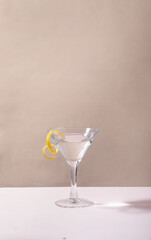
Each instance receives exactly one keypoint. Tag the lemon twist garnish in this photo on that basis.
(52, 148)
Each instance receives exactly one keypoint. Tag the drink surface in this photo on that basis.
(73, 147)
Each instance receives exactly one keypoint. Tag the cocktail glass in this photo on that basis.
(73, 146)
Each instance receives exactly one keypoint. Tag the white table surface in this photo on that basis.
(31, 214)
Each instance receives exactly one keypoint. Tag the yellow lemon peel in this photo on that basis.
(43, 151)
(52, 148)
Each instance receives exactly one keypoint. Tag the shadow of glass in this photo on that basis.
(137, 206)
(133, 206)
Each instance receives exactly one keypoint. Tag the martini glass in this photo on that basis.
(73, 146)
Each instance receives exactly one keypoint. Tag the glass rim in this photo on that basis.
(81, 129)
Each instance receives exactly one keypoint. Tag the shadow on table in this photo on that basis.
(133, 206)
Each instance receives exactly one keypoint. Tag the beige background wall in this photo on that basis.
(75, 63)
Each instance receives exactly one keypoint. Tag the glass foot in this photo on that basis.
(72, 203)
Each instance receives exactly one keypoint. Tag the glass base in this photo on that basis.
(74, 203)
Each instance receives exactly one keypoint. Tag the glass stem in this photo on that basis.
(73, 171)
